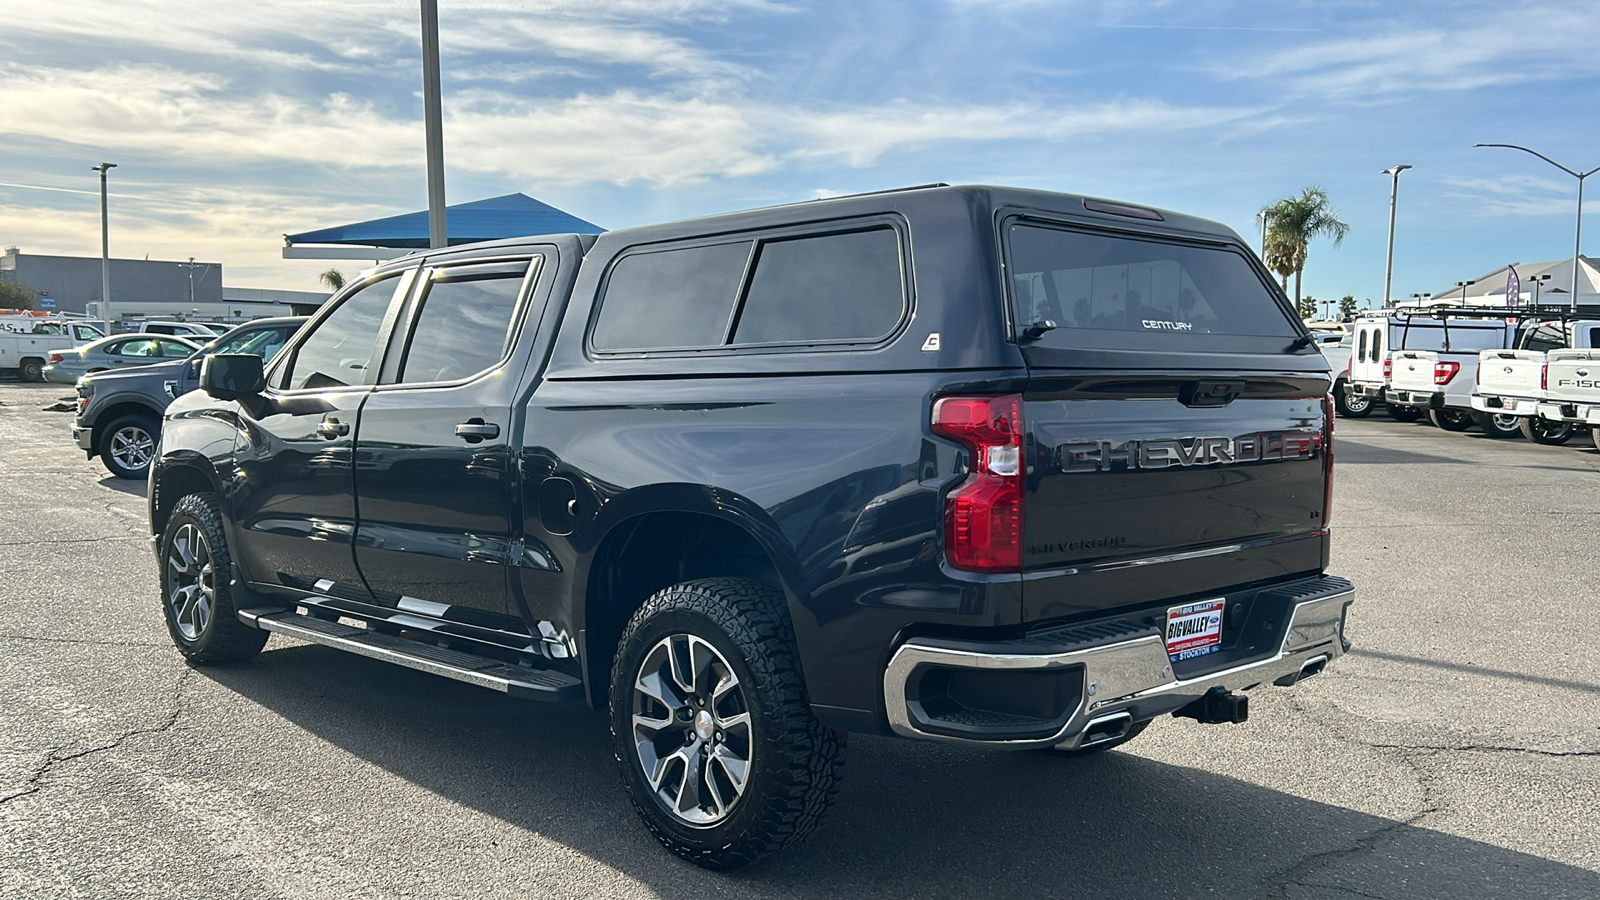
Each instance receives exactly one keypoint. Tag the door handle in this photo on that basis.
(331, 428)
(474, 430)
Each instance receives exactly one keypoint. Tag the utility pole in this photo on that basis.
(1394, 193)
(434, 115)
(1577, 237)
(105, 247)
(191, 265)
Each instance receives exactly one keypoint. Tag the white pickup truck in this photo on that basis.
(1572, 390)
(1432, 368)
(1511, 383)
(26, 354)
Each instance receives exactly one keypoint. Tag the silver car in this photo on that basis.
(117, 352)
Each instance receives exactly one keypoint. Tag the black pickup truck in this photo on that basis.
(992, 466)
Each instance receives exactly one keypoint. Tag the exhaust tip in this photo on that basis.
(1106, 728)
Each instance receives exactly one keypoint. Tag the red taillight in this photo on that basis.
(1445, 370)
(1388, 369)
(983, 514)
(1544, 377)
(56, 357)
(1327, 461)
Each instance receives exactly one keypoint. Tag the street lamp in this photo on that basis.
(1394, 192)
(1263, 217)
(1463, 285)
(433, 119)
(105, 247)
(1577, 239)
(1421, 298)
(1538, 281)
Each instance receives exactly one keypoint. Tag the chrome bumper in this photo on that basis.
(1370, 389)
(1580, 413)
(1417, 399)
(1121, 676)
(1505, 406)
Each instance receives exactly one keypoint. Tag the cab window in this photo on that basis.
(464, 323)
(339, 351)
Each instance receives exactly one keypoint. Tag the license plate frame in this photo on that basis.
(1194, 629)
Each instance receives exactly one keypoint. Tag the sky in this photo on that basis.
(234, 124)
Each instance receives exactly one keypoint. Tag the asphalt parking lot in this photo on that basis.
(1455, 753)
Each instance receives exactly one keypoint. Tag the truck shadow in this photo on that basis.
(913, 819)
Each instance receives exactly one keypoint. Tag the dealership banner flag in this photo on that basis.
(1513, 286)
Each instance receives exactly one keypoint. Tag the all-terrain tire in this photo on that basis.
(1499, 426)
(793, 760)
(1544, 431)
(1450, 419)
(1133, 732)
(197, 597)
(128, 444)
(1403, 413)
(1348, 405)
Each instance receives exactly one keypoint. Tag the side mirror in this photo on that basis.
(232, 376)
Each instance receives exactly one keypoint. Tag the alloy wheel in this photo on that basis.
(192, 582)
(692, 730)
(131, 446)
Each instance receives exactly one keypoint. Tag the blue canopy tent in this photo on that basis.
(514, 215)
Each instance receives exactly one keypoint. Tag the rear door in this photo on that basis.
(1175, 432)
(434, 476)
(1366, 360)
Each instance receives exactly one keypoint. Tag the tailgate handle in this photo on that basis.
(1210, 393)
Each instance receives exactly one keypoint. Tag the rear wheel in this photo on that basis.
(129, 445)
(1544, 431)
(1351, 406)
(197, 596)
(1450, 419)
(1499, 425)
(1403, 413)
(30, 370)
(712, 727)
(1594, 436)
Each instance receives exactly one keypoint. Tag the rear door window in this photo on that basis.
(465, 321)
(1362, 353)
(1125, 291)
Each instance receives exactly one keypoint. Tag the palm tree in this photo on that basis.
(333, 278)
(1292, 223)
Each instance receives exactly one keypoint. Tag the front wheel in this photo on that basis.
(1450, 419)
(1544, 431)
(129, 445)
(712, 727)
(1499, 425)
(1403, 413)
(197, 596)
(1349, 405)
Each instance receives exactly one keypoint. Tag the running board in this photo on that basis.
(516, 681)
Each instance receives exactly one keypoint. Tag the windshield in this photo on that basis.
(1105, 290)
(264, 343)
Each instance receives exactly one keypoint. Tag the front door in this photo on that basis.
(294, 491)
(434, 476)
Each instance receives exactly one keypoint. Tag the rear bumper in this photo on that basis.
(1417, 399)
(1370, 389)
(1576, 413)
(1502, 405)
(1102, 672)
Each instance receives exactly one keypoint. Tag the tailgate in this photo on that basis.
(1124, 474)
(1413, 371)
(1513, 373)
(1574, 376)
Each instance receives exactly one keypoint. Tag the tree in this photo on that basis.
(1307, 306)
(1347, 306)
(333, 278)
(1292, 223)
(16, 296)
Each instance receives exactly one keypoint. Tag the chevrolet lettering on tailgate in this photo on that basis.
(1099, 456)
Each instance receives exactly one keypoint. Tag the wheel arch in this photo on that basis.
(177, 477)
(652, 538)
(122, 406)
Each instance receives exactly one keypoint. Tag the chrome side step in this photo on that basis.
(516, 681)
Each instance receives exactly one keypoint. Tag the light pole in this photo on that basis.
(1394, 192)
(1538, 281)
(1263, 216)
(105, 247)
(1463, 285)
(1577, 239)
(433, 117)
(1421, 298)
